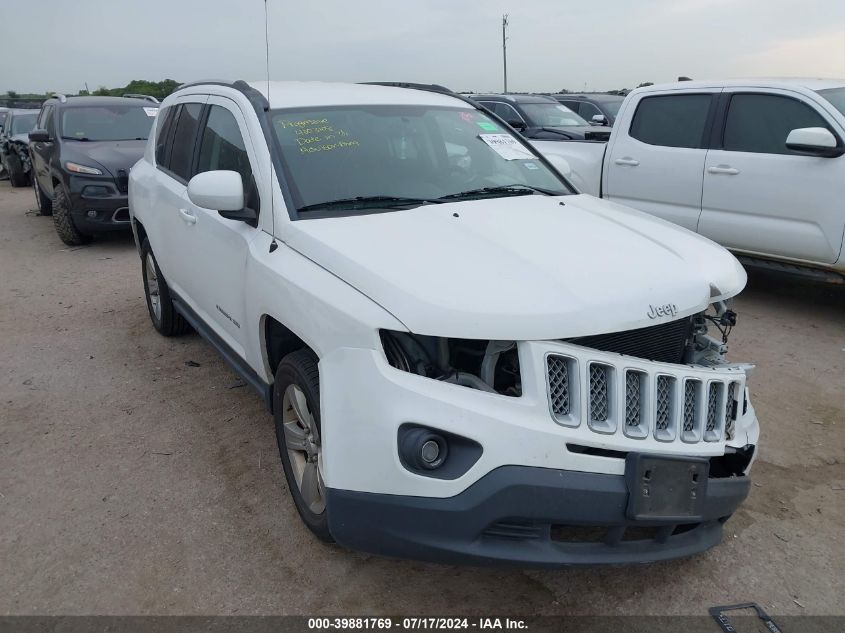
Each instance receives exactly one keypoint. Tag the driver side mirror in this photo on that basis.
(222, 191)
(600, 119)
(814, 141)
(519, 126)
(39, 136)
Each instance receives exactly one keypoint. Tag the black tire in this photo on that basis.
(63, 220)
(45, 204)
(300, 369)
(167, 322)
(17, 178)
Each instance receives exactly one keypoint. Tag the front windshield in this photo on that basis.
(23, 123)
(552, 115)
(405, 152)
(108, 123)
(836, 96)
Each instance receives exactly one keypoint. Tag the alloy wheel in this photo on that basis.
(302, 440)
(152, 287)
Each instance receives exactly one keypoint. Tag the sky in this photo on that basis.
(59, 45)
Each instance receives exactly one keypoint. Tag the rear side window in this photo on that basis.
(760, 123)
(672, 120)
(163, 127)
(182, 152)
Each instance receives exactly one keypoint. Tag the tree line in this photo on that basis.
(157, 89)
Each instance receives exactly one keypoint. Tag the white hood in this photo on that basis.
(521, 268)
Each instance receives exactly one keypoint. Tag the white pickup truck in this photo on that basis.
(756, 166)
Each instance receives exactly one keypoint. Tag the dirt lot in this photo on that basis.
(132, 482)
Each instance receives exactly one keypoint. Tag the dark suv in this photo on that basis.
(541, 118)
(596, 108)
(82, 150)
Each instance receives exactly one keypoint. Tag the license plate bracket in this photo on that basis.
(666, 488)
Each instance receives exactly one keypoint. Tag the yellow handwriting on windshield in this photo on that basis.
(318, 135)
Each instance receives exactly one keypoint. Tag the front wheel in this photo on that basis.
(63, 220)
(296, 409)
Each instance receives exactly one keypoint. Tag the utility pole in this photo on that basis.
(505, 48)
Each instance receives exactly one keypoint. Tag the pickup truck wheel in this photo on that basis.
(45, 205)
(166, 320)
(63, 221)
(296, 400)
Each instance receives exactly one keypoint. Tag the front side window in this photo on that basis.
(422, 153)
(672, 120)
(45, 117)
(182, 151)
(22, 123)
(760, 123)
(552, 115)
(107, 123)
(222, 147)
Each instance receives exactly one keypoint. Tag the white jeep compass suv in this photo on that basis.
(466, 361)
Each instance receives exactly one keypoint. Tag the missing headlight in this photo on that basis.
(491, 366)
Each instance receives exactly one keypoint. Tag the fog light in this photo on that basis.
(91, 213)
(423, 449)
(430, 452)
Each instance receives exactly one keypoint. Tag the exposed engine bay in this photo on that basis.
(493, 366)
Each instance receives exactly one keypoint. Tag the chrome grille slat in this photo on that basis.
(599, 394)
(558, 377)
(712, 400)
(663, 413)
(633, 406)
(689, 406)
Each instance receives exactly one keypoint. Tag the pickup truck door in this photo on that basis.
(655, 160)
(762, 198)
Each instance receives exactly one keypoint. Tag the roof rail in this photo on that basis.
(62, 98)
(411, 86)
(133, 95)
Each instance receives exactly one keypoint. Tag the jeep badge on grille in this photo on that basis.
(668, 309)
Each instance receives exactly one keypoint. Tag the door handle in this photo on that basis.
(627, 160)
(723, 169)
(187, 216)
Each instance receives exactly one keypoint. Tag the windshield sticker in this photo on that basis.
(531, 166)
(487, 126)
(151, 111)
(467, 116)
(507, 146)
(318, 135)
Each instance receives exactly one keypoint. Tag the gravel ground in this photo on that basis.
(132, 482)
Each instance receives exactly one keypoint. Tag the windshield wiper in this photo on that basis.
(510, 190)
(84, 139)
(360, 202)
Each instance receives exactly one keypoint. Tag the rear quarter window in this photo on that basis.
(672, 120)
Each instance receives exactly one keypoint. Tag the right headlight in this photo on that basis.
(491, 366)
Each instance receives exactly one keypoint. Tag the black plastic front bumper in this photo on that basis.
(98, 206)
(529, 517)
